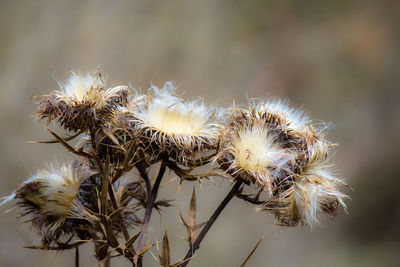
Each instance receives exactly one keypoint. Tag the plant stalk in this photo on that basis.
(149, 206)
(210, 222)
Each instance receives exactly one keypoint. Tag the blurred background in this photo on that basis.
(338, 60)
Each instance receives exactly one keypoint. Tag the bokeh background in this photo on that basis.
(338, 60)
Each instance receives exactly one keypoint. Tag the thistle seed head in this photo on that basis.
(82, 102)
(46, 199)
(312, 188)
(277, 148)
(251, 151)
(281, 114)
(168, 124)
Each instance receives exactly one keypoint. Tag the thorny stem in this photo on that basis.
(210, 222)
(149, 205)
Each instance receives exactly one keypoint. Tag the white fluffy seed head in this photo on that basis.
(61, 187)
(292, 119)
(174, 123)
(52, 190)
(315, 194)
(78, 86)
(250, 151)
(174, 116)
(254, 149)
(87, 88)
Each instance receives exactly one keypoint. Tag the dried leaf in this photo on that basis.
(190, 225)
(252, 252)
(68, 138)
(145, 249)
(192, 209)
(165, 253)
(198, 226)
(163, 203)
(63, 247)
(192, 217)
(69, 147)
(131, 240)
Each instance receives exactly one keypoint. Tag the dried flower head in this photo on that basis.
(250, 151)
(261, 143)
(167, 123)
(312, 188)
(276, 147)
(82, 102)
(279, 113)
(46, 199)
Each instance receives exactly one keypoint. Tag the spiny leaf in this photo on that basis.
(198, 226)
(252, 252)
(69, 147)
(64, 247)
(192, 209)
(115, 213)
(145, 248)
(131, 240)
(163, 203)
(68, 138)
(165, 253)
(192, 217)
(190, 225)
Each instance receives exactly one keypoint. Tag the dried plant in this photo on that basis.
(267, 146)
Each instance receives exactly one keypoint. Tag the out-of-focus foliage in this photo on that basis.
(337, 59)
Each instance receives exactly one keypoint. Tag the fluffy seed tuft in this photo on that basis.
(46, 199)
(82, 102)
(168, 124)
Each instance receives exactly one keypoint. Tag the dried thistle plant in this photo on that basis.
(267, 146)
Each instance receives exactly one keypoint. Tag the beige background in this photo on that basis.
(339, 60)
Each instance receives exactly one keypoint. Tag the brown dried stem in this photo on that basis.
(77, 257)
(210, 222)
(150, 205)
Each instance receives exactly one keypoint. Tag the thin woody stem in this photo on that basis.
(77, 257)
(145, 177)
(210, 222)
(150, 205)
